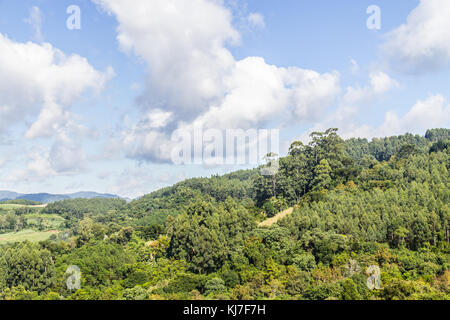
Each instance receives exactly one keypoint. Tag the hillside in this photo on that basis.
(334, 209)
(255, 191)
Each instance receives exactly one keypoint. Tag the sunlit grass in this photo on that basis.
(30, 235)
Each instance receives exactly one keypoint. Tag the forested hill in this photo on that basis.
(300, 172)
(358, 205)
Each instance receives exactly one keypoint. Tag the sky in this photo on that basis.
(93, 91)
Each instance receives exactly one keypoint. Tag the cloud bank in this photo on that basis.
(193, 76)
(422, 44)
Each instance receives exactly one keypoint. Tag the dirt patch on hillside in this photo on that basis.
(276, 218)
(39, 206)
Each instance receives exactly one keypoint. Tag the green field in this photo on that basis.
(10, 206)
(48, 221)
(30, 235)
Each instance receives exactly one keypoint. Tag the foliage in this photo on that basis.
(356, 204)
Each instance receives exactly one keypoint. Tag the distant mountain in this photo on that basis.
(8, 195)
(49, 198)
(44, 197)
(90, 195)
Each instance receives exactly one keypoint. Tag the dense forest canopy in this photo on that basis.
(356, 204)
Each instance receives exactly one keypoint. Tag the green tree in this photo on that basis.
(215, 285)
(322, 178)
(27, 265)
(349, 290)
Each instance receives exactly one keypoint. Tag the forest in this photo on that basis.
(370, 221)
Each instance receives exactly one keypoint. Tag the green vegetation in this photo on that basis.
(311, 231)
(102, 210)
(26, 235)
(23, 202)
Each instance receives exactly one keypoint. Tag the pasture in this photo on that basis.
(28, 234)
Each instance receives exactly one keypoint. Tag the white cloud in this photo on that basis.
(355, 100)
(66, 157)
(38, 167)
(183, 44)
(423, 43)
(136, 181)
(193, 76)
(256, 20)
(158, 119)
(380, 83)
(41, 80)
(257, 92)
(433, 112)
(41, 163)
(311, 92)
(38, 85)
(425, 114)
(35, 20)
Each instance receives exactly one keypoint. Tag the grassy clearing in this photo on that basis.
(44, 221)
(10, 206)
(269, 222)
(30, 235)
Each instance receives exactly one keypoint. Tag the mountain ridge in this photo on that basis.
(50, 198)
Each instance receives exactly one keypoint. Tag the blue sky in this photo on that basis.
(94, 108)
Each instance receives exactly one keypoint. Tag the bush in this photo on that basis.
(349, 290)
(135, 278)
(136, 293)
(187, 283)
(231, 278)
(269, 209)
(214, 285)
(304, 262)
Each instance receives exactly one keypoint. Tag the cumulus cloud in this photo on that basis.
(422, 44)
(39, 83)
(433, 112)
(380, 83)
(67, 157)
(40, 80)
(258, 92)
(41, 163)
(352, 103)
(157, 119)
(183, 44)
(142, 143)
(193, 76)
